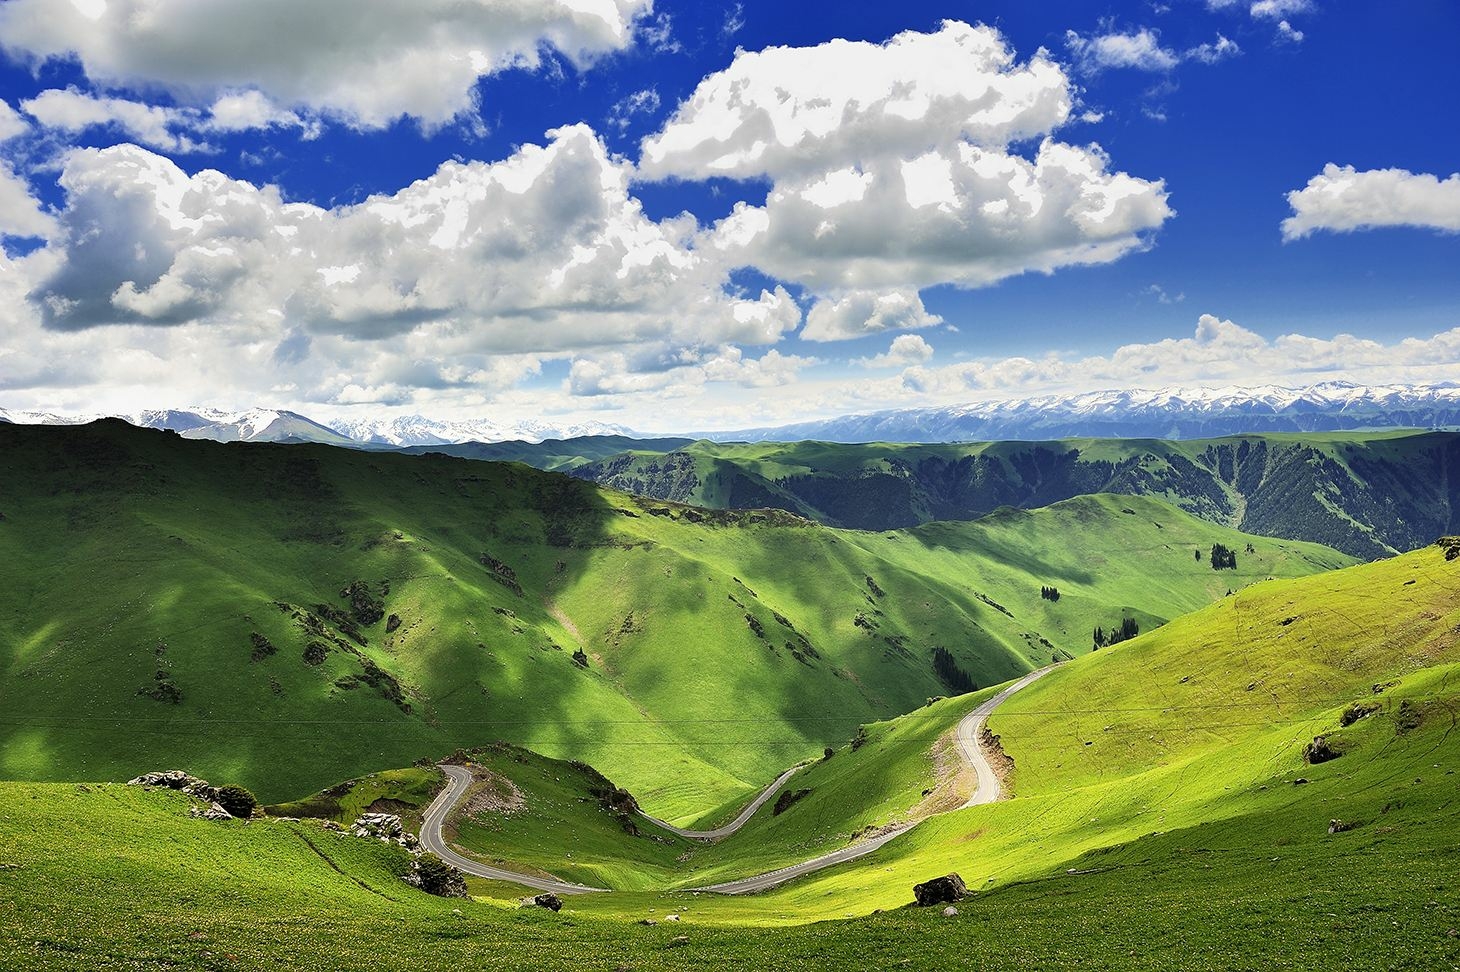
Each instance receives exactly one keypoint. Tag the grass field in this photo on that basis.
(288, 616)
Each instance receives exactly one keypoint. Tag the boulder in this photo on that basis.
(1320, 750)
(434, 876)
(549, 901)
(949, 911)
(940, 890)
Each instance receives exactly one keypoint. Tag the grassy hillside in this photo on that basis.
(1183, 750)
(1367, 493)
(285, 616)
(106, 875)
(1181, 837)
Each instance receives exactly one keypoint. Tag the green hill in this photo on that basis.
(1188, 834)
(1369, 494)
(287, 616)
(1184, 749)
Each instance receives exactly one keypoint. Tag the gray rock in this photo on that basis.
(940, 890)
(549, 901)
(949, 911)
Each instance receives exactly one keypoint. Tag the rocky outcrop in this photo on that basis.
(1320, 750)
(385, 827)
(201, 790)
(940, 891)
(549, 901)
(434, 876)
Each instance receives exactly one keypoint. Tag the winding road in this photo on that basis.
(968, 731)
(458, 778)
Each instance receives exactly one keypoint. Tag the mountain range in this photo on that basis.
(278, 425)
(1169, 413)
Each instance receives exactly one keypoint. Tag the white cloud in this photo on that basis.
(795, 111)
(1342, 199)
(72, 111)
(906, 350)
(543, 251)
(11, 124)
(21, 213)
(1279, 9)
(1218, 351)
(364, 61)
(1140, 49)
(642, 102)
(1288, 32)
(861, 313)
(617, 373)
(1215, 51)
(892, 166)
(246, 110)
(971, 217)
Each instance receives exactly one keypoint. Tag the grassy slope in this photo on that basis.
(127, 552)
(1156, 752)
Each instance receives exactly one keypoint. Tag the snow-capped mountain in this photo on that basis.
(416, 430)
(1167, 413)
(277, 425)
(252, 425)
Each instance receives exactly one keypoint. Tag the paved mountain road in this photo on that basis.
(968, 730)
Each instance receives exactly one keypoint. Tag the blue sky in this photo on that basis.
(1006, 200)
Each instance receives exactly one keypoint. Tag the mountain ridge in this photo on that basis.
(1173, 412)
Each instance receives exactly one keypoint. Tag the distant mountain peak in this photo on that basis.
(1174, 412)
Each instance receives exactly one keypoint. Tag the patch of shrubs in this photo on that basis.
(786, 799)
(315, 653)
(163, 689)
(755, 625)
(501, 573)
(580, 658)
(365, 607)
(872, 586)
(262, 647)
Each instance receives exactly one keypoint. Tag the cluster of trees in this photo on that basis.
(1128, 629)
(1050, 593)
(945, 666)
(1223, 558)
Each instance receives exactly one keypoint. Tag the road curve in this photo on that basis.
(458, 778)
(969, 727)
(987, 791)
(718, 833)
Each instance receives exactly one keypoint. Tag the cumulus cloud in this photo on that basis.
(971, 217)
(892, 165)
(796, 111)
(545, 250)
(906, 350)
(367, 62)
(1342, 199)
(861, 313)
